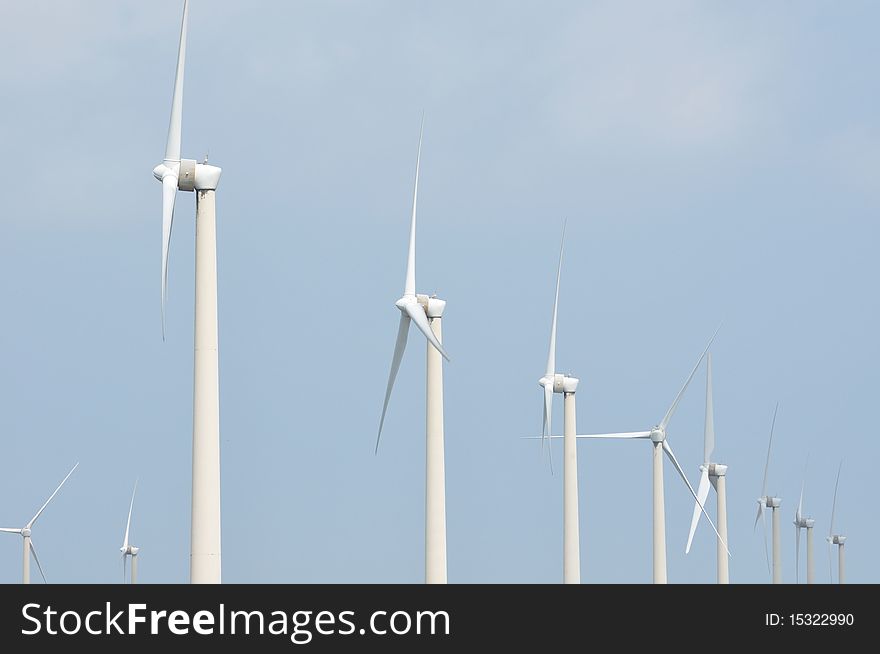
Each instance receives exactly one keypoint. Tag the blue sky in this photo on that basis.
(714, 161)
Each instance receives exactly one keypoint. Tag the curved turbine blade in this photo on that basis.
(797, 555)
(709, 428)
(169, 194)
(551, 356)
(410, 285)
(37, 559)
(759, 515)
(668, 450)
(172, 144)
(625, 434)
(702, 494)
(399, 347)
(417, 314)
(42, 508)
(128, 523)
(674, 406)
(769, 444)
(798, 514)
(834, 501)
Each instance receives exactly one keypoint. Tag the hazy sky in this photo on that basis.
(715, 161)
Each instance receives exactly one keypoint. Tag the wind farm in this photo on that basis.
(589, 229)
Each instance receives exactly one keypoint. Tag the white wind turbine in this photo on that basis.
(658, 438)
(766, 501)
(426, 312)
(187, 175)
(553, 382)
(25, 533)
(714, 474)
(836, 539)
(803, 522)
(127, 548)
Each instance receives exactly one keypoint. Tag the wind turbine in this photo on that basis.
(553, 382)
(716, 475)
(127, 548)
(803, 522)
(25, 533)
(187, 175)
(426, 312)
(836, 539)
(657, 436)
(766, 501)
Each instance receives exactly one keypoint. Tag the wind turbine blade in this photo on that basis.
(417, 314)
(709, 428)
(11, 531)
(172, 144)
(702, 494)
(834, 501)
(668, 449)
(551, 356)
(797, 554)
(674, 405)
(800, 507)
(625, 434)
(548, 419)
(169, 194)
(37, 559)
(769, 445)
(399, 347)
(410, 285)
(42, 508)
(128, 522)
(758, 515)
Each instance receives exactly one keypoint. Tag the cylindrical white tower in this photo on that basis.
(571, 557)
(659, 536)
(435, 467)
(719, 473)
(205, 565)
(26, 560)
(775, 503)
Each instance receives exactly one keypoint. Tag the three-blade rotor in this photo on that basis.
(410, 307)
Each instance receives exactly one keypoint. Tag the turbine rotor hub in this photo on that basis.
(658, 434)
(25, 533)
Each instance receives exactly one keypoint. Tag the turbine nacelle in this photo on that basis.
(836, 540)
(559, 382)
(658, 434)
(432, 305)
(130, 550)
(25, 533)
(191, 176)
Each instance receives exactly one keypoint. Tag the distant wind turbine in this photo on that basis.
(658, 437)
(553, 382)
(716, 475)
(426, 312)
(803, 522)
(25, 533)
(766, 501)
(836, 539)
(127, 549)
